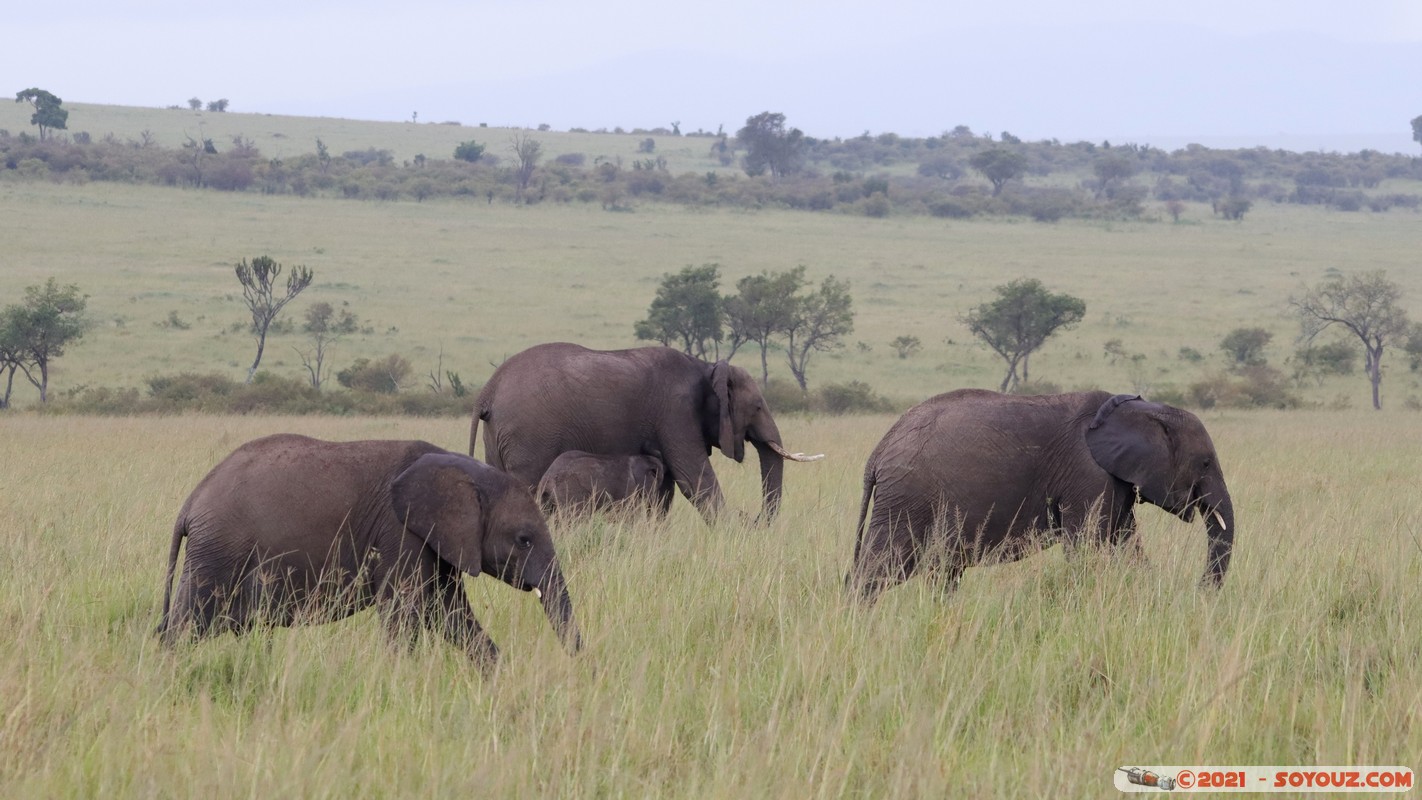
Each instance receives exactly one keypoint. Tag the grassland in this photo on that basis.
(484, 281)
(720, 662)
(725, 662)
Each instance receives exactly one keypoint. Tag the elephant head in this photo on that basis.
(740, 414)
(1167, 455)
(645, 474)
(478, 519)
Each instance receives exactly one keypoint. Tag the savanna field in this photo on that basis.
(726, 661)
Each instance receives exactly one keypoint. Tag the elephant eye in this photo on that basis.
(524, 542)
(1208, 463)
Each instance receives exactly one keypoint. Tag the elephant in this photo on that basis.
(552, 398)
(582, 481)
(290, 529)
(974, 475)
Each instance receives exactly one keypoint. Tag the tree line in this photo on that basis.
(958, 174)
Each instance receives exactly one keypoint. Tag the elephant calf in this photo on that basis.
(290, 529)
(580, 482)
(973, 474)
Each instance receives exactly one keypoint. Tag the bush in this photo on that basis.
(852, 397)
(385, 376)
(1037, 387)
(1257, 386)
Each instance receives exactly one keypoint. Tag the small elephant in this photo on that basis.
(972, 474)
(291, 529)
(579, 481)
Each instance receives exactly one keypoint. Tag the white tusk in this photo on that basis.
(1221, 521)
(801, 457)
(537, 592)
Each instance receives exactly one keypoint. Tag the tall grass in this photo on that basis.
(722, 662)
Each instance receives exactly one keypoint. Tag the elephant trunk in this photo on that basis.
(558, 606)
(1219, 530)
(772, 476)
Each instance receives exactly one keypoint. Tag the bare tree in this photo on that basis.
(1366, 305)
(325, 327)
(528, 150)
(258, 281)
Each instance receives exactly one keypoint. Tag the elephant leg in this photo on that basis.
(459, 625)
(887, 556)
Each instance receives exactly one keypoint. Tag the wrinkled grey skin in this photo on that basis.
(553, 398)
(292, 529)
(974, 475)
(584, 482)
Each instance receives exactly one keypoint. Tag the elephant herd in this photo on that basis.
(289, 529)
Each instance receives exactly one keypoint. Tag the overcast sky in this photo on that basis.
(1301, 74)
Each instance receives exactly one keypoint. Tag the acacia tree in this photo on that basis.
(49, 113)
(817, 324)
(1365, 304)
(1020, 321)
(258, 281)
(762, 308)
(686, 310)
(999, 166)
(37, 330)
(769, 146)
(1417, 129)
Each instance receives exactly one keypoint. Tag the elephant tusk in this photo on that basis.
(801, 457)
(1221, 521)
(537, 592)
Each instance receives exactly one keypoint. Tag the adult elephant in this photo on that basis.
(291, 529)
(974, 474)
(553, 398)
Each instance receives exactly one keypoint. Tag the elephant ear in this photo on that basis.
(1128, 441)
(721, 385)
(437, 499)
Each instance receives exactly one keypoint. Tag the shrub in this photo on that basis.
(852, 397)
(1257, 386)
(1037, 387)
(380, 377)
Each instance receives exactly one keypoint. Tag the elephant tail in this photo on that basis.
(869, 483)
(180, 529)
(479, 413)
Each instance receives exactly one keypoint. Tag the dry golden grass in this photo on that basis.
(723, 662)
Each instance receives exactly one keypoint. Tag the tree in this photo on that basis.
(1417, 129)
(1366, 305)
(1112, 171)
(686, 310)
(195, 103)
(906, 345)
(37, 330)
(49, 114)
(999, 166)
(819, 322)
(1245, 346)
(258, 281)
(1020, 321)
(470, 151)
(528, 151)
(769, 146)
(762, 308)
(325, 327)
(217, 106)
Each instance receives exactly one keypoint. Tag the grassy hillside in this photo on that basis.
(285, 137)
(483, 281)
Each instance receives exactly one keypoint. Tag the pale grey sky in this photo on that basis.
(1306, 74)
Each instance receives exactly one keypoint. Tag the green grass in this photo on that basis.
(719, 662)
(723, 662)
(485, 281)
